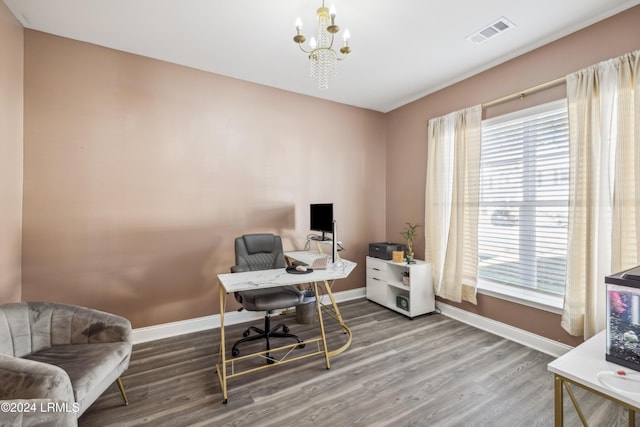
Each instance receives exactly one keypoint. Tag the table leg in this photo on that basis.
(333, 302)
(222, 369)
(632, 418)
(338, 316)
(322, 334)
(558, 404)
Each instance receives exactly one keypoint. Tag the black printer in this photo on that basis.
(384, 250)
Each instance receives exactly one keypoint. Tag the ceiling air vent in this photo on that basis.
(498, 27)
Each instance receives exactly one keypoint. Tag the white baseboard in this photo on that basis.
(537, 342)
(167, 330)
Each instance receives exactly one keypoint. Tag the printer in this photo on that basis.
(384, 250)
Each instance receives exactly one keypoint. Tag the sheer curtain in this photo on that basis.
(604, 181)
(451, 202)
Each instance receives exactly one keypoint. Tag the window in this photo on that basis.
(524, 189)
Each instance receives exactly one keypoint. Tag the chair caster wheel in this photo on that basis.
(245, 334)
(270, 361)
(285, 329)
(235, 352)
(301, 345)
(224, 402)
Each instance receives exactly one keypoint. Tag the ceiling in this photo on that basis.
(401, 49)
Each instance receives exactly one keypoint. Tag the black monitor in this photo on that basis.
(321, 218)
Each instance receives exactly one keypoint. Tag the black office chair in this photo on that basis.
(263, 252)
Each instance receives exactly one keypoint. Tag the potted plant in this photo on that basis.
(409, 234)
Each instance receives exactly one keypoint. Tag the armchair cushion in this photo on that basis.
(87, 365)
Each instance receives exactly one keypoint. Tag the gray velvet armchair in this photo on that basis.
(58, 359)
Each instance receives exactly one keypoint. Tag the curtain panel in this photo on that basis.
(451, 202)
(604, 184)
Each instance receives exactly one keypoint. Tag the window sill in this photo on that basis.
(539, 300)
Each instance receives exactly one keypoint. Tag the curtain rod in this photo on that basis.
(523, 93)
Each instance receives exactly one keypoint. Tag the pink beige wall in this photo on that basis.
(11, 116)
(407, 134)
(140, 173)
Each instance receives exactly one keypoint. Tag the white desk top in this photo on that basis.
(249, 280)
(583, 363)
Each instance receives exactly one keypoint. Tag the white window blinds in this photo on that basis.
(522, 230)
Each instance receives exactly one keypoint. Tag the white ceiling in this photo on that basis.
(401, 49)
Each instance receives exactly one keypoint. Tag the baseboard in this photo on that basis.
(172, 329)
(537, 342)
(167, 330)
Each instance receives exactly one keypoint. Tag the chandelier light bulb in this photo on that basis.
(346, 36)
(332, 11)
(313, 43)
(298, 24)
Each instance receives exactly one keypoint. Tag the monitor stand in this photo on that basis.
(334, 242)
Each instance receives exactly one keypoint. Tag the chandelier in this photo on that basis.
(321, 54)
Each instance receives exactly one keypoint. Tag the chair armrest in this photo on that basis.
(28, 379)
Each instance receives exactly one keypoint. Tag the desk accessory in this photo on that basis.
(294, 270)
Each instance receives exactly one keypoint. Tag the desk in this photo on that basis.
(580, 367)
(233, 282)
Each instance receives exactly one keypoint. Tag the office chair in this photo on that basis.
(263, 252)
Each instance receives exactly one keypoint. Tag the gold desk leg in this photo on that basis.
(333, 301)
(338, 316)
(558, 405)
(223, 364)
(632, 418)
(324, 338)
(575, 404)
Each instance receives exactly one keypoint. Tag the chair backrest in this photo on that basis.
(259, 252)
(28, 327)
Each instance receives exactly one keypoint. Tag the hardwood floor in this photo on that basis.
(430, 371)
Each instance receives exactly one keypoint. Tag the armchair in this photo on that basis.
(263, 252)
(52, 352)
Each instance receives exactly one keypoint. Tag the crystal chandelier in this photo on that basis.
(321, 54)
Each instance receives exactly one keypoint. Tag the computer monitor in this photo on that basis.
(321, 218)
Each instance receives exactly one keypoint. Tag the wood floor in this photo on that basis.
(430, 371)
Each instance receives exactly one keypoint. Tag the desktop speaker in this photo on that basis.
(402, 302)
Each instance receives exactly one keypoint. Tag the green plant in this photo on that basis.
(409, 234)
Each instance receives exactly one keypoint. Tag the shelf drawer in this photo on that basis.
(377, 270)
(377, 290)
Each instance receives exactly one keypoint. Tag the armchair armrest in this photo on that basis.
(239, 268)
(28, 379)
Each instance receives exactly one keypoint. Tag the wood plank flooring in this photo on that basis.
(429, 371)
